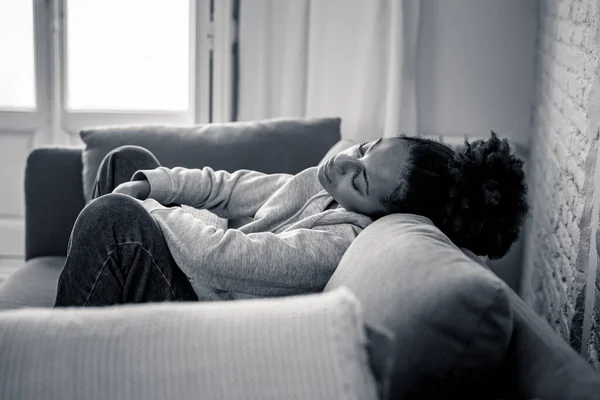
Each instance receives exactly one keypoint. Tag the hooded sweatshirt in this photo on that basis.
(281, 238)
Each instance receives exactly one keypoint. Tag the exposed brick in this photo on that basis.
(564, 10)
(566, 64)
(576, 88)
(583, 11)
(577, 115)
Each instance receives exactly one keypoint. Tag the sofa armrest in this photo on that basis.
(541, 364)
(53, 199)
(298, 347)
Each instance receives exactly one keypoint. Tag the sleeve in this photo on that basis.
(229, 195)
(264, 263)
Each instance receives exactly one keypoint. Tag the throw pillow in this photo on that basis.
(282, 145)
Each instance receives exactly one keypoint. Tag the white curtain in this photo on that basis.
(355, 59)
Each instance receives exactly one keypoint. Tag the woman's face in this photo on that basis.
(361, 175)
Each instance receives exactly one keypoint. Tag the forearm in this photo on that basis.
(229, 195)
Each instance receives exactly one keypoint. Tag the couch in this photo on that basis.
(406, 314)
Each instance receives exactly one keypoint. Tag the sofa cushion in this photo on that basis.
(33, 284)
(450, 315)
(301, 347)
(282, 145)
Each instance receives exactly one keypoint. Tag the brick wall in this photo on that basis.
(561, 167)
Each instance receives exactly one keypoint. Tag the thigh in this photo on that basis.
(117, 253)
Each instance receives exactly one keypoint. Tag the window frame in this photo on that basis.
(72, 121)
(33, 120)
(211, 34)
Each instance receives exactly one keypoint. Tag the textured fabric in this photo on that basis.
(33, 284)
(303, 347)
(282, 145)
(117, 254)
(450, 316)
(119, 165)
(53, 199)
(354, 58)
(291, 244)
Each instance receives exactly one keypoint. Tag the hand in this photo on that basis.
(137, 189)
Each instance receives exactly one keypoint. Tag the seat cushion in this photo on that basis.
(300, 347)
(32, 285)
(282, 145)
(450, 315)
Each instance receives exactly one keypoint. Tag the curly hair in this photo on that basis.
(475, 195)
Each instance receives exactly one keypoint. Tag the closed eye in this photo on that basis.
(361, 148)
(361, 152)
(354, 180)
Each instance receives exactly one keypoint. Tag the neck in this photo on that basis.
(333, 204)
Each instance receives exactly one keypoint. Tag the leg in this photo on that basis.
(119, 165)
(117, 254)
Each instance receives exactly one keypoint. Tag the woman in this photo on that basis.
(286, 233)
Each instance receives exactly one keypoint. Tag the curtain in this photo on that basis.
(354, 59)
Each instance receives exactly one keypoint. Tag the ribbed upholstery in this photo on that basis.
(304, 347)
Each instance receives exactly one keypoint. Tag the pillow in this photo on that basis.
(450, 315)
(283, 145)
(299, 347)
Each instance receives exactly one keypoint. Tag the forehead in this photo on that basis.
(386, 163)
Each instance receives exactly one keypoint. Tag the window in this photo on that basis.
(76, 63)
(127, 55)
(132, 61)
(17, 69)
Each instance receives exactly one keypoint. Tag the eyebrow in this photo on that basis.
(364, 170)
(375, 144)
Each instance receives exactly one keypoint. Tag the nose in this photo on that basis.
(344, 162)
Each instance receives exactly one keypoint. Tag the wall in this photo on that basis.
(475, 67)
(475, 74)
(562, 167)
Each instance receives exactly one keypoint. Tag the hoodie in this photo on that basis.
(281, 238)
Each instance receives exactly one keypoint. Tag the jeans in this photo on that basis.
(117, 253)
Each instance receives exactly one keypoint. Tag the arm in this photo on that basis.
(265, 263)
(229, 195)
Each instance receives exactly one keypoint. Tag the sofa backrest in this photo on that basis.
(58, 179)
(53, 199)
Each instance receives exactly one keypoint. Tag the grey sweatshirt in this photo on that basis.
(281, 239)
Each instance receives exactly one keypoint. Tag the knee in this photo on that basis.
(111, 209)
(130, 152)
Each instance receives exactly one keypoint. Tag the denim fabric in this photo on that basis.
(119, 165)
(117, 253)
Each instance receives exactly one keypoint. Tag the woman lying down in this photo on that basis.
(134, 243)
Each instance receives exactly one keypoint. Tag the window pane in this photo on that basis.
(17, 65)
(128, 54)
